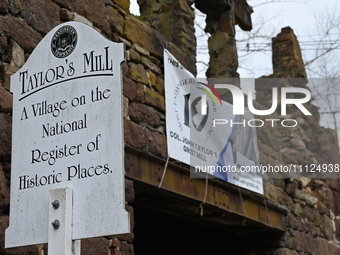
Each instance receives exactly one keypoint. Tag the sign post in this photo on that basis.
(67, 142)
(60, 230)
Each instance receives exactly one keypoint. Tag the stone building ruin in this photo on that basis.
(295, 216)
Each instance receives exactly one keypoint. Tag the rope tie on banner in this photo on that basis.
(244, 208)
(205, 194)
(161, 41)
(164, 171)
(265, 204)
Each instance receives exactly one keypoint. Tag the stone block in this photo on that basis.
(154, 99)
(115, 19)
(137, 73)
(334, 184)
(127, 249)
(328, 228)
(160, 85)
(147, 63)
(134, 134)
(337, 229)
(310, 200)
(291, 186)
(124, 4)
(138, 31)
(15, 6)
(284, 199)
(307, 212)
(156, 143)
(140, 50)
(95, 246)
(4, 6)
(292, 221)
(336, 195)
(143, 113)
(41, 21)
(64, 4)
(22, 33)
(125, 107)
(129, 191)
(17, 55)
(270, 192)
(4, 191)
(152, 78)
(5, 136)
(129, 89)
(6, 71)
(134, 55)
(66, 15)
(6, 101)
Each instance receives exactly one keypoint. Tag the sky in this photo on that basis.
(305, 17)
(300, 15)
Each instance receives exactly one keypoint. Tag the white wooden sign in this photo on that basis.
(68, 132)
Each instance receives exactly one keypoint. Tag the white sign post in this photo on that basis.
(68, 136)
(60, 231)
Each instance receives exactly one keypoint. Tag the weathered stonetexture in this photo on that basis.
(22, 33)
(4, 192)
(175, 21)
(66, 15)
(142, 113)
(129, 88)
(134, 134)
(4, 6)
(139, 32)
(115, 19)
(292, 222)
(154, 99)
(41, 21)
(86, 8)
(6, 100)
(313, 208)
(127, 249)
(95, 246)
(5, 136)
(328, 228)
(129, 191)
(137, 73)
(159, 85)
(15, 6)
(156, 143)
(6, 70)
(124, 4)
(287, 58)
(17, 55)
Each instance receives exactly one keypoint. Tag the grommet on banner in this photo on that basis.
(165, 167)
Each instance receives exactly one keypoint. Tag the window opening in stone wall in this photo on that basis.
(202, 52)
(134, 8)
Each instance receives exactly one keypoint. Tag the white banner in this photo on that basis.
(203, 132)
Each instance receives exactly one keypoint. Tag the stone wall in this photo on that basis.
(313, 225)
(313, 218)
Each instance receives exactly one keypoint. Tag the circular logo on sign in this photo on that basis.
(64, 41)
